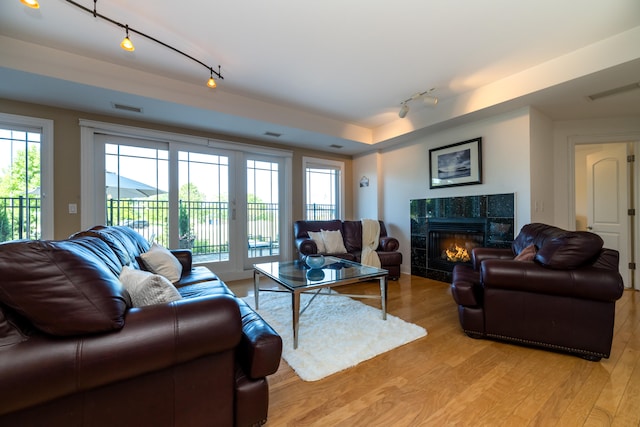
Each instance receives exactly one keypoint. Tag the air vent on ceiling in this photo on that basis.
(273, 134)
(335, 146)
(614, 91)
(127, 108)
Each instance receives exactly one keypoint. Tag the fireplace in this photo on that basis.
(457, 224)
(450, 241)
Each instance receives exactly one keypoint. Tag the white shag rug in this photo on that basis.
(335, 333)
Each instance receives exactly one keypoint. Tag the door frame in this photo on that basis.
(91, 209)
(634, 139)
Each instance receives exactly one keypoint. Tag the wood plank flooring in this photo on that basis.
(448, 378)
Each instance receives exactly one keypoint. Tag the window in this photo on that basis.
(26, 184)
(203, 205)
(323, 189)
(263, 208)
(226, 202)
(136, 187)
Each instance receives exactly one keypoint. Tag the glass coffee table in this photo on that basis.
(296, 278)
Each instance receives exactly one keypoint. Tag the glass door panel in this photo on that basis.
(263, 209)
(203, 206)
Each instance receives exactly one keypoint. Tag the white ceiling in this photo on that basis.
(330, 72)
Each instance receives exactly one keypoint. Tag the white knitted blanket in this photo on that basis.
(370, 241)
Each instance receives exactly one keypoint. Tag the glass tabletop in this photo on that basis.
(296, 274)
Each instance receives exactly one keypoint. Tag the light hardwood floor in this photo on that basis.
(448, 378)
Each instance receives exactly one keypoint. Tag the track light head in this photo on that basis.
(430, 100)
(403, 110)
(426, 98)
(33, 4)
(126, 43)
(212, 83)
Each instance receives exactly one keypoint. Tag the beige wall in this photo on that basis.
(67, 158)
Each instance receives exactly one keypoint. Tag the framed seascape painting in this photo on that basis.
(456, 164)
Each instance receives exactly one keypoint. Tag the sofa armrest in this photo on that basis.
(155, 337)
(585, 283)
(260, 349)
(480, 254)
(389, 244)
(185, 257)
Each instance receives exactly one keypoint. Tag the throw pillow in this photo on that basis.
(333, 242)
(316, 236)
(161, 261)
(146, 288)
(527, 254)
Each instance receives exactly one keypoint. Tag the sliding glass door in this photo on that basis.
(223, 205)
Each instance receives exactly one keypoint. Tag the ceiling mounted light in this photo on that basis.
(403, 110)
(126, 42)
(430, 100)
(426, 98)
(211, 82)
(33, 4)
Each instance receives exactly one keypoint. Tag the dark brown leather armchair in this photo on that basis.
(561, 296)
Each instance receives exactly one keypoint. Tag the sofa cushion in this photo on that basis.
(147, 288)
(125, 242)
(10, 332)
(161, 261)
(61, 287)
(569, 251)
(316, 236)
(333, 242)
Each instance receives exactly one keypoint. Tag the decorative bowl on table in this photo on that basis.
(314, 261)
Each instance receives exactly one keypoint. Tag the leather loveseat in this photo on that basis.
(74, 352)
(387, 250)
(554, 289)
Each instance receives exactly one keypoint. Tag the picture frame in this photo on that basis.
(456, 164)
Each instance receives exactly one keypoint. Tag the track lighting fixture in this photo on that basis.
(33, 4)
(126, 43)
(403, 110)
(426, 98)
(211, 82)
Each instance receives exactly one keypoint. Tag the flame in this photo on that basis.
(457, 254)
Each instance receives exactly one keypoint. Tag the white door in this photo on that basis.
(607, 201)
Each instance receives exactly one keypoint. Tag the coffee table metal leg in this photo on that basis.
(256, 286)
(295, 304)
(383, 296)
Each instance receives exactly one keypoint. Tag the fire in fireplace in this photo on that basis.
(451, 240)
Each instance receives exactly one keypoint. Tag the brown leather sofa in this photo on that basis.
(73, 352)
(560, 296)
(387, 250)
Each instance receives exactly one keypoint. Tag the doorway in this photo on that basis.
(604, 183)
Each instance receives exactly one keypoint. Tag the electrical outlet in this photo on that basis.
(73, 208)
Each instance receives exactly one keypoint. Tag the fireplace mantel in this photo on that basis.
(494, 214)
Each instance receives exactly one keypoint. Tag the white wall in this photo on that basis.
(366, 199)
(542, 173)
(405, 172)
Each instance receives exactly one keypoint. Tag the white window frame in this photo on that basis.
(45, 126)
(92, 211)
(318, 163)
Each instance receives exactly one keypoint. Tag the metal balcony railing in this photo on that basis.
(20, 218)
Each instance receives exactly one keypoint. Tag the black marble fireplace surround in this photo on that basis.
(444, 229)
